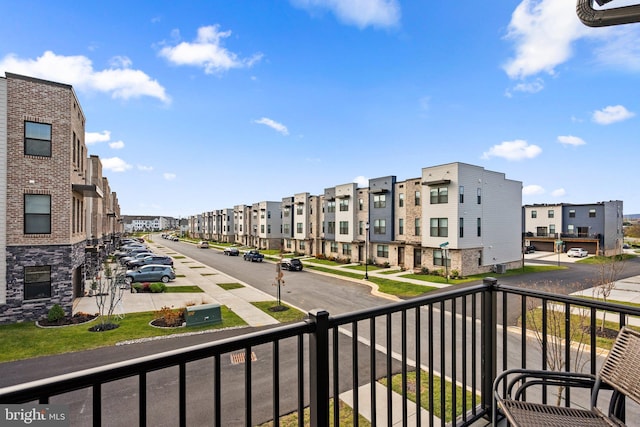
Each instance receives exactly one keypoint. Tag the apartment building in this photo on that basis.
(407, 239)
(266, 225)
(596, 227)
(51, 223)
(381, 220)
(242, 224)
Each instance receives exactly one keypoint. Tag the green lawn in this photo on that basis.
(187, 289)
(514, 272)
(605, 259)
(26, 340)
(230, 286)
(345, 417)
(289, 315)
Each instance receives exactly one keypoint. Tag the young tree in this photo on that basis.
(608, 272)
(110, 289)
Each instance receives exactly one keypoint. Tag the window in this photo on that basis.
(288, 244)
(572, 213)
(334, 247)
(299, 228)
(285, 211)
(479, 226)
(262, 228)
(441, 257)
(461, 228)
(439, 227)
(479, 192)
(331, 206)
(361, 227)
(285, 229)
(331, 227)
(37, 214)
(439, 195)
(461, 194)
(401, 200)
(534, 214)
(302, 246)
(37, 282)
(417, 227)
(344, 227)
(344, 205)
(380, 201)
(592, 213)
(346, 249)
(400, 226)
(37, 139)
(269, 214)
(379, 226)
(552, 229)
(550, 213)
(299, 210)
(360, 204)
(417, 196)
(382, 251)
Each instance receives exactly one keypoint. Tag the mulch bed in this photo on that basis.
(172, 323)
(76, 319)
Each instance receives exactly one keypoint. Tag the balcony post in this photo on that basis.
(489, 341)
(319, 368)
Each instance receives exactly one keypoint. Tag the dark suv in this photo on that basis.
(293, 264)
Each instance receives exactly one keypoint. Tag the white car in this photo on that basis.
(577, 252)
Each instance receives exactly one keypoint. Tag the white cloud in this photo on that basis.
(115, 164)
(532, 190)
(611, 114)
(361, 13)
(144, 168)
(207, 52)
(513, 150)
(571, 140)
(543, 31)
(560, 192)
(361, 181)
(119, 80)
(620, 49)
(91, 138)
(531, 87)
(169, 176)
(116, 145)
(273, 125)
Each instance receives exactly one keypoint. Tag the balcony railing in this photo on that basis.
(443, 349)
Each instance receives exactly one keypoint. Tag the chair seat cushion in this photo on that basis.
(521, 413)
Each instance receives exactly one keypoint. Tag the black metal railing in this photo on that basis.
(442, 351)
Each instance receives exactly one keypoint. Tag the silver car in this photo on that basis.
(151, 273)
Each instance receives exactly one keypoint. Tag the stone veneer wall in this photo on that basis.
(63, 259)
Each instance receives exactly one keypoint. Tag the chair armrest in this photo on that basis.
(516, 381)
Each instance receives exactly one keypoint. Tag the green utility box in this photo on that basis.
(204, 314)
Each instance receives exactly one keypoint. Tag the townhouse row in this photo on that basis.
(455, 217)
(58, 215)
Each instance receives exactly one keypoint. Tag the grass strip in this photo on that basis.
(425, 392)
(230, 286)
(289, 315)
(183, 289)
(345, 417)
(26, 340)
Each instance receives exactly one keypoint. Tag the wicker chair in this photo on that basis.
(620, 373)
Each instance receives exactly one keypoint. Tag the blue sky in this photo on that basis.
(195, 105)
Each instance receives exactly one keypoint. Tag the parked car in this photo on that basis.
(231, 251)
(203, 245)
(626, 246)
(126, 259)
(175, 238)
(151, 273)
(253, 256)
(577, 252)
(529, 249)
(293, 264)
(152, 259)
(131, 252)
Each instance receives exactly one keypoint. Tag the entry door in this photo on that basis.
(417, 257)
(401, 256)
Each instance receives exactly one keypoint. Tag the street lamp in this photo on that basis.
(366, 251)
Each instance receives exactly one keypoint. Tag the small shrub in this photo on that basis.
(170, 317)
(454, 274)
(157, 288)
(321, 256)
(56, 313)
(424, 270)
(386, 264)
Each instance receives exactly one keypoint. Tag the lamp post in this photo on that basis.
(366, 251)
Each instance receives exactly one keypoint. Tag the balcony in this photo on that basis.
(460, 337)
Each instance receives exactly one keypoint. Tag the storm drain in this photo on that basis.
(237, 358)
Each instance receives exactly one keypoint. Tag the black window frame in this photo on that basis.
(379, 200)
(380, 226)
(42, 287)
(439, 195)
(439, 230)
(32, 139)
(28, 215)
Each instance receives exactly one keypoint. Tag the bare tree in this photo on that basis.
(110, 287)
(558, 337)
(608, 272)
